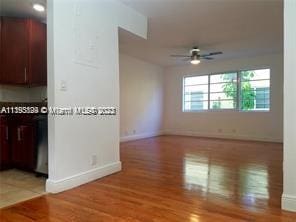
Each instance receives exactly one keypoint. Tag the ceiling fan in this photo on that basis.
(195, 57)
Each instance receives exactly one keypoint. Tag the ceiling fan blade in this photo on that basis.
(215, 53)
(207, 58)
(204, 55)
(211, 54)
(185, 56)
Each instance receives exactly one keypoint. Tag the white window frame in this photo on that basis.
(238, 101)
(183, 96)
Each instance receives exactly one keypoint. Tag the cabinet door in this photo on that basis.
(28, 144)
(37, 55)
(16, 147)
(24, 147)
(0, 47)
(5, 155)
(14, 51)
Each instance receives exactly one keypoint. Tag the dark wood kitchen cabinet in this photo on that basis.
(5, 154)
(23, 59)
(24, 145)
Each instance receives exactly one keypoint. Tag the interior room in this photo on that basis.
(147, 110)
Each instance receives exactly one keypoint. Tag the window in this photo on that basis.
(223, 91)
(254, 89)
(262, 98)
(196, 100)
(247, 90)
(196, 93)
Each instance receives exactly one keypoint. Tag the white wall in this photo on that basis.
(22, 94)
(83, 57)
(242, 125)
(289, 194)
(141, 98)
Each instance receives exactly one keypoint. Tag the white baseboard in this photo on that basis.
(289, 202)
(139, 136)
(221, 135)
(56, 186)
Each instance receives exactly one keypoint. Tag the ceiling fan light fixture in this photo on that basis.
(195, 61)
(39, 7)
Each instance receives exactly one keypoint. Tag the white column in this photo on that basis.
(82, 72)
(289, 194)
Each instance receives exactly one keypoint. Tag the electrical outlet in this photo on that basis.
(94, 160)
(134, 132)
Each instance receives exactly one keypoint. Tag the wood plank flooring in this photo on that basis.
(174, 178)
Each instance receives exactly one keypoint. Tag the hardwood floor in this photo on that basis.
(172, 178)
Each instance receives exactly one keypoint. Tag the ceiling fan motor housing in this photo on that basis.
(195, 53)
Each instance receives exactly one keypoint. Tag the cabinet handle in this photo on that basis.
(25, 74)
(19, 134)
(6, 132)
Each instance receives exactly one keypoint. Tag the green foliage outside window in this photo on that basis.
(216, 105)
(246, 91)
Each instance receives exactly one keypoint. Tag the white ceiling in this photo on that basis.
(239, 28)
(22, 8)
